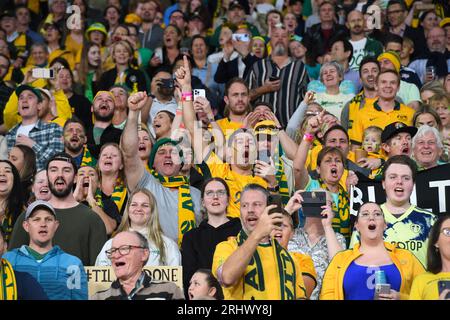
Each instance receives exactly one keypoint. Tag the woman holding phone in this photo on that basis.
(435, 284)
(316, 238)
(353, 273)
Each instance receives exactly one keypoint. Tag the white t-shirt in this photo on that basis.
(358, 53)
(25, 129)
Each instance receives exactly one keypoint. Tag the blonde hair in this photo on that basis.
(373, 129)
(154, 231)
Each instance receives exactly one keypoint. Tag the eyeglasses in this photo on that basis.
(218, 193)
(446, 232)
(367, 215)
(123, 250)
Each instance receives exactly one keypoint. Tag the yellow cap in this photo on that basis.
(133, 18)
(392, 57)
(444, 22)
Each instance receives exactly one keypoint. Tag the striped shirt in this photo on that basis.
(145, 289)
(294, 80)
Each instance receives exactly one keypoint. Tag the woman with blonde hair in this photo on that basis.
(111, 175)
(141, 215)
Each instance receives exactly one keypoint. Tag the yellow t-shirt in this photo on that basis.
(357, 103)
(425, 286)
(228, 126)
(269, 286)
(374, 116)
(75, 48)
(236, 182)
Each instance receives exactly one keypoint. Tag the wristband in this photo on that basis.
(308, 137)
(186, 96)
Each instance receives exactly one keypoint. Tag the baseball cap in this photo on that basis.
(195, 15)
(62, 156)
(25, 87)
(45, 92)
(7, 13)
(39, 204)
(395, 128)
(235, 4)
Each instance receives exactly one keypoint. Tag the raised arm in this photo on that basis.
(134, 169)
(300, 171)
(289, 145)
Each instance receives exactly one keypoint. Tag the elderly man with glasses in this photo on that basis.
(129, 254)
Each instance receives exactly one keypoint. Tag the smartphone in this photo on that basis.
(381, 288)
(158, 53)
(274, 78)
(244, 37)
(442, 285)
(199, 93)
(43, 73)
(276, 200)
(313, 201)
(264, 155)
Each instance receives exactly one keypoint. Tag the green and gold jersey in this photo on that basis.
(409, 231)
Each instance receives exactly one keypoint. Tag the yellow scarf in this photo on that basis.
(8, 286)
(254, 282)
(186, 215)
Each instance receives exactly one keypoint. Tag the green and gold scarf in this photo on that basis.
(7, 226)
(8, 286)
(186, 215)
(254, 281)
(118, 196)
(87, 159)
(281, 176)
(341, 222)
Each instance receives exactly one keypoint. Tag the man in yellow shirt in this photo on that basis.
(385, 109)
(253, 265)
(237, 106)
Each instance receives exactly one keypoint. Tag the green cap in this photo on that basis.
(24, 87)
(161, 142)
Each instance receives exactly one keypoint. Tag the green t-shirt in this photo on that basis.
(36, 255)
(98, 134)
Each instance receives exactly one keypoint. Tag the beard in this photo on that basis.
(106, 118)
(73, 148)
(62, 193)
(279, 50)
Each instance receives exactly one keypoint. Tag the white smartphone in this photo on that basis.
(199, 93)
(43, 73)
(244, 37)
(159, 53)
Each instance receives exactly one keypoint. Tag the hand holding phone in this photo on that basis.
(43, 73)
(381, 288)
(199, 93)
(312, 204)
(274, 78)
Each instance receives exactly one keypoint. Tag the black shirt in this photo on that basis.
(199, 244)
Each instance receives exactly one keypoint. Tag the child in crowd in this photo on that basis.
(372, 142)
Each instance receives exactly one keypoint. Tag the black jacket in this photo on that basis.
(199, 244)
(315, 41)
(110, 134)
(133, 76)
(228, 70)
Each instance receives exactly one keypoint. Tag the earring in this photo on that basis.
(436, 248)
